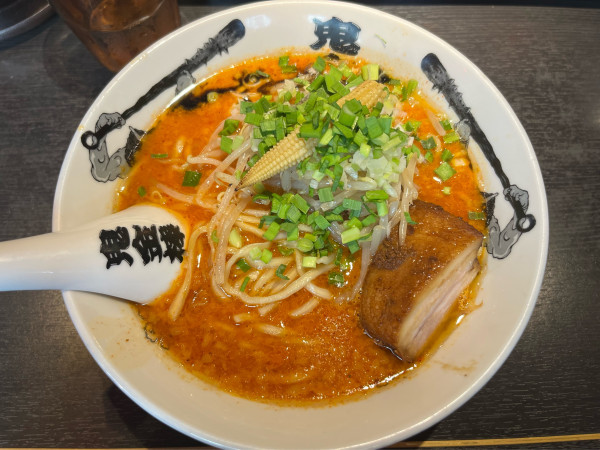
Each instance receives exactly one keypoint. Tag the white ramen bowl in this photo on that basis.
(465, 362)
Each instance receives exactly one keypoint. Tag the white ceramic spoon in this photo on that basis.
(96, 257)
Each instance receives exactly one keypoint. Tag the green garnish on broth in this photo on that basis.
(476, 215)
(353, 145)
(447, 155)
(451, 137)
(191, 178)
(280, 272)
(445, 171)
(244, 284)
(243, 265)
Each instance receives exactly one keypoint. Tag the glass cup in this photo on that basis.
(117, 30)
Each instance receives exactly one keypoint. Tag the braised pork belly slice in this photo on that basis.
(409, 289)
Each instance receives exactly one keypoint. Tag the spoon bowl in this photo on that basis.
(135, 254)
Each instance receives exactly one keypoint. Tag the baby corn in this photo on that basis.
(286, 153)
(369, 93)
(292, 149)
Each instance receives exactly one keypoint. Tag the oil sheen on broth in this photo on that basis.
(269, 353)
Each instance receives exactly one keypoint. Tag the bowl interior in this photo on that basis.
(458, 369)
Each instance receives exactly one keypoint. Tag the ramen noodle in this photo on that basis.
(267, 305)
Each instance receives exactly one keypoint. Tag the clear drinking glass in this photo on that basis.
(115, 31)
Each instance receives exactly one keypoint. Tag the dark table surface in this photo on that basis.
(546, 62)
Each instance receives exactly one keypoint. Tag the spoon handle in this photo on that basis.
(135, 254)
(48, 261)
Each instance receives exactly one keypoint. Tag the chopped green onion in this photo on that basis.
(309, 261)
(382, 208)
(141, 191)
(237, 141)
(429, 143)
(446, 124)
(261, 199)
(318, 175)
(444, 171)
(319, 64)
(476, 215)
(255, 253)
(320, 243)
(447, 155)
(300, 203)
(243, 265)
(446, 190)
(244, 284)
(280, 270)
(159, 155)
(325, 195)
(266, 220)
(412, 125)
(377, 194)
(285, 67)
(343, 130)
(214, 237)
(272, 231)
(346, 118)
(355, 222)
(293, 214)
(246, 107)
(285, 251)
(283, 210)
(307, 130)
(253, 160)
(301, 81)
(253, 119)
(409, 219)
(373, 127)
(451, 137)
(275, 204)
(349, 235)
(346, 71)
(335, 278)
(326, 138)
(365, 149)
(229, 127)
(370, 71)
(316, 84)
(235, 238)
(371, 219)
(338, 257)
(191, 178)
(352, 205)
(266, 256)
(336, 73)
(334, 217)
(226, 144)
(409, 89)
(291, 229)
(353, 247)
(429, 156)
(354, 81)
(305, 245)
(321, 222)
